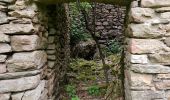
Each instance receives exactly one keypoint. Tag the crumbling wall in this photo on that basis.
(26, 37)
(109, 22)
(147, 70)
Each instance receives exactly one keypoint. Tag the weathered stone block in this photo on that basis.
(34, 94)
(25, 43)
(51, 57)
(4, 38)
(27, 13)
(140, 81)
(165, 15)
(51, 52)
(51, 39)
(167, 41)
(141, 14)
(51, 64)
(142, 46)
(3, 58)
(150, 69)
(17, 96)
(18, 74)
(51, 47)
(139, 59)
(155, 3)
(7, 1)
(145, 31)
(161, 58)
(147, 95)
(26, 61)
(17, 29)
(21, 84)
(3, 18)
(5, 96)
(163, 85)
(5, 48)
(3, 8)
(163, 76)
(3, 68)
(163, 9)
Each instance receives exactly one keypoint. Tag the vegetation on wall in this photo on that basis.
(77, 25)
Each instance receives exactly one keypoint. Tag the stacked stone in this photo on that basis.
(22, 55)
(58, 48)
(109, 21)
(147, 74)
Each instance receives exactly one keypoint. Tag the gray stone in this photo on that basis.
(163, 9)
(150, 69)
(17, 29)
(160, 58)
(51, 52)
(20, 84)
(163, 85)
(3, 8)
(51, 39)
(141, 14)
(145, 31)
(140, 81)
(167, 41)
(51, 64)
(143, 46)
(4, 38)
(26, 13)
(3, 18)
(5, 96)
(155, 3)
(139, 59)
(3, 58)
(3, 68)
(165, 15)
(147, 95)
(34, 94)
(7, 1)
(51, 47)
(167, 94)
(26, 61)
(25, 42)
(51, 57)
(17, 96)
(163, 76)
(44, 95)
(18, 74)
(5, 48)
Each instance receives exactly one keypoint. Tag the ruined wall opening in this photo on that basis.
(34, 50)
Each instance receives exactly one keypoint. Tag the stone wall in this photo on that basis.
(147, 71)
(26, 71)
(109, 22)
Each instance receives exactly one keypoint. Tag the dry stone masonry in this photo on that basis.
(32, 51)
(147, 71)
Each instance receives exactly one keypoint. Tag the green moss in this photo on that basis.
(84, 70)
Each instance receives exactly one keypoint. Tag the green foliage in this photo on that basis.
(114, 47)
(85, 70)
(77, 27)
(94, 90)
(75, 98)
(71, 90)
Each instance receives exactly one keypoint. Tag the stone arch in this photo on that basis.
(30, 69)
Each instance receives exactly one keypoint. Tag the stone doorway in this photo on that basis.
(32, 70)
